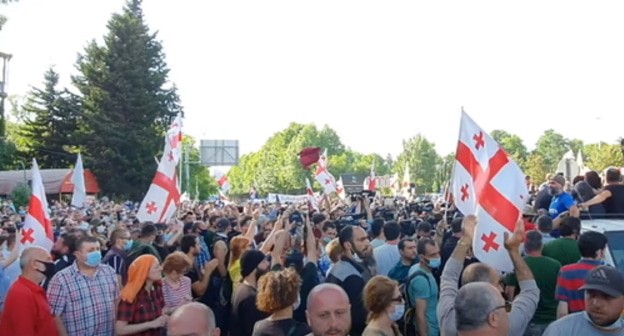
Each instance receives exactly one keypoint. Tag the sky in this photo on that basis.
(376, 72)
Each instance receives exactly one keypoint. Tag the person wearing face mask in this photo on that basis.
(26, 309)
(385, 306)
(121, 242)
(423, 290)
(83, 296)
(278, 296)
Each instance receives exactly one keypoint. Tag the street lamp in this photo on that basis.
(5, 60)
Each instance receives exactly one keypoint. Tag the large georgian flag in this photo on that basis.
(487, 183)
(37, 230)
(163, 196)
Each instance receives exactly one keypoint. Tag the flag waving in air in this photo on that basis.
(163, 196)
(487, 183)
(37, 230)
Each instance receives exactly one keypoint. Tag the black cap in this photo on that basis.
(605, 279)
(250, 260)
(223, 223)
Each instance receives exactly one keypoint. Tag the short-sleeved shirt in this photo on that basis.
(570, 279)
(564, 250)
(560, 203)
(174, 297)
(426, 289)
(147, 306)
(27, 311)
(85, 303)
(545, 271)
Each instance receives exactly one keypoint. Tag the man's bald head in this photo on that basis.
(328, 311)
(479, 272)
(33, 253)
(323, 290)
(192, 319)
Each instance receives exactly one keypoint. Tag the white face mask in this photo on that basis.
(297, 303)
(399, 311)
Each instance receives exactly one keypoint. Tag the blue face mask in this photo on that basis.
(435, 263)
(128, 245)
(93, 258)
(168, 236)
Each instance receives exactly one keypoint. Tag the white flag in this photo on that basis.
(80, 191)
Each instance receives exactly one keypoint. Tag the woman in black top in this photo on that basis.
(278, 295)
(612, 195)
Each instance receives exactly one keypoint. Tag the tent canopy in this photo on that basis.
(55, 181)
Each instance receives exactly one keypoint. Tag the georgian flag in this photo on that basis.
(163, 196)
(487, 183)
(37, 230)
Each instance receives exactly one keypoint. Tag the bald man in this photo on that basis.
(26, 309)
(192, 319)
(480, 310)
(328, 311)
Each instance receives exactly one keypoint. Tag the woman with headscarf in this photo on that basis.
(141, 308)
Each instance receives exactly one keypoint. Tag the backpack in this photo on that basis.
(407, 324)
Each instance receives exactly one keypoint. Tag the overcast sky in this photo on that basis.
(376, 72)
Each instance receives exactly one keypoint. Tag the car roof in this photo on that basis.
(602, 225)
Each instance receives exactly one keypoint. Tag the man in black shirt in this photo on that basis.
(244, 311)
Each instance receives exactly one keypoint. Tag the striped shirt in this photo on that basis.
(175, 297)
(85, 304)
(570, 279)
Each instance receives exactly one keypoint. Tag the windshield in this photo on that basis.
(616, 247)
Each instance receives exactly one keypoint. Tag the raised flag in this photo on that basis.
(487, 183)
(163, 196)
(37, 229)
(79, 194)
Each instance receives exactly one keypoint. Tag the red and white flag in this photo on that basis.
(370, 183)
(312, 201)
(222, 182)
(340, 189)
(37, 230)
(487, 183)
(163, 196)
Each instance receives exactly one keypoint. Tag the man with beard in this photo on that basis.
(244, 311)
(351, 275)
(604, 302)
(561, 201)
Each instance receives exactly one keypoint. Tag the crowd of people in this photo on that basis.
(363, 268)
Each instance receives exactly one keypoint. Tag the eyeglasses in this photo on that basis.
(507, 306)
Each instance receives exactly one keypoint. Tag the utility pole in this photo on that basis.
(187, 169)
(5, 59)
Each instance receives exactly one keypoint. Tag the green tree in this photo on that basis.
(576, 145)
(536, 167)
(51, 123)
(444, 169)
(423, 159)
(512, 144)
(127, 103)
(601, 156)
(276, 168)
(551, 146)
(200, 179)
(20, 195)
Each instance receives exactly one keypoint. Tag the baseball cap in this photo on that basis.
(605, 279)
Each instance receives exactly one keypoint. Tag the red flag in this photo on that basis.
(37, 230)
(309, 156)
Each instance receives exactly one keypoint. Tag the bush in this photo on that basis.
(20, 195)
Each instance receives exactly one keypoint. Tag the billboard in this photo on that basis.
(219, 152)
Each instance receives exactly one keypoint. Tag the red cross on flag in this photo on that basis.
(487, 183)
(340, 189)
(163, 196)
(325, 179)
(37, 230)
